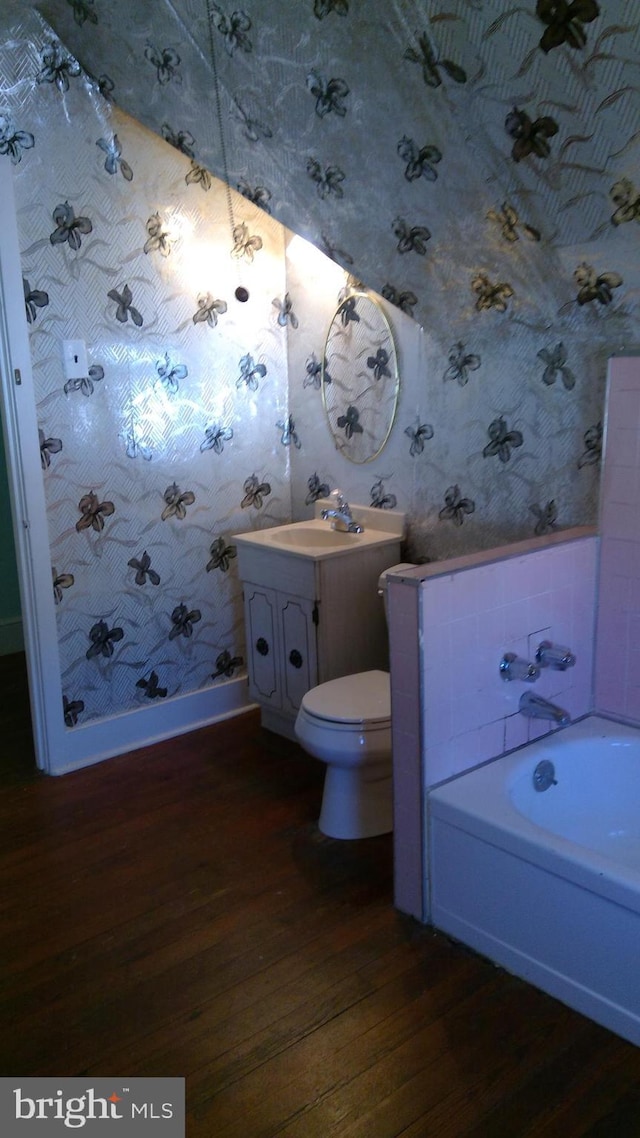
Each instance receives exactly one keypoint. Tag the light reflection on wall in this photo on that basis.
(316, 268)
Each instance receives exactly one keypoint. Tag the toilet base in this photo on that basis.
(356, 803)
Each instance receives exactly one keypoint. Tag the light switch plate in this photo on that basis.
(74, 358)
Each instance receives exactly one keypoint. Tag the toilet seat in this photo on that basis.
(362, 700)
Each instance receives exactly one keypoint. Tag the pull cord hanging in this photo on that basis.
(241, 293)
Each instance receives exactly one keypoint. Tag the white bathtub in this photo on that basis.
(547, 883)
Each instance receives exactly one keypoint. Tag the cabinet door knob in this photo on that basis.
(262, 646)
(295, 659)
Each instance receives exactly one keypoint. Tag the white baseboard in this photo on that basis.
(103, 739)
(11, 638)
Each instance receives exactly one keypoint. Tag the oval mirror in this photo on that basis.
(360, 380)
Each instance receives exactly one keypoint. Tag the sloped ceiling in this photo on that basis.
(455, 155)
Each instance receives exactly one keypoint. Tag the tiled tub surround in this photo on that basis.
(617, 671)
(450, 625)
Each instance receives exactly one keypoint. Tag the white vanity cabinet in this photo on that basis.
(312, 613)
(281, 646)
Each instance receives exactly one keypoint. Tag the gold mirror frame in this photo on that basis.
(360, 378)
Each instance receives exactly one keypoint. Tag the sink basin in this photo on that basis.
(315, 540)
(307, 537)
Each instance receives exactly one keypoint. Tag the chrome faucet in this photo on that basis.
(554, 656)
(342, 518)
(513, 667)
(537, 707)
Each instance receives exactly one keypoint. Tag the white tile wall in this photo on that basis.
(449, 626)
(468, 619)
(617, 679)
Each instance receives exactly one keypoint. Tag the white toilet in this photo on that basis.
(347, 724)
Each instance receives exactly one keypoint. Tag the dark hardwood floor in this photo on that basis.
(176, 912)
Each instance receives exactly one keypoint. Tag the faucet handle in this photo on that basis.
(554, 656)
(513, 667)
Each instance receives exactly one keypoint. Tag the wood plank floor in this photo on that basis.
(176, 912)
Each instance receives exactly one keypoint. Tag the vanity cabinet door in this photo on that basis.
(299, 653)
(281, 646)
(261, 608)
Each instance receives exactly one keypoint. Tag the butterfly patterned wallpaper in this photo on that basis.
(475, 164)
(169, 443)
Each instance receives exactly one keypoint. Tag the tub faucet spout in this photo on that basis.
(537, 707)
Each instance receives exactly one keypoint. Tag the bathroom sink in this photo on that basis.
(299, 536)
(316, 540)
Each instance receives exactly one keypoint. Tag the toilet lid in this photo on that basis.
(364, 697)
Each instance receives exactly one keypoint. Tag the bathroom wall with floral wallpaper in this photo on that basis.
(489, 199)
(168, 442)
(475, 163)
